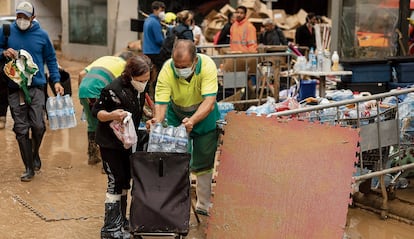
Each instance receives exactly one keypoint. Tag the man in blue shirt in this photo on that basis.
(28, 115)
(153, 39)
(153, 35)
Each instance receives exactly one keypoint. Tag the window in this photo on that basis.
(88, 22)
(368, 29)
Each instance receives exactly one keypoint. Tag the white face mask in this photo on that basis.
(138, 85)
(23, 24)
(184, 72)
(161, 15)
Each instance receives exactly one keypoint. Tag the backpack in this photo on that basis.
(6, 32)
(168, 43)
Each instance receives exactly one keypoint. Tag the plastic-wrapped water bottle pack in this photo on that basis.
(60, 111)
(168, 139)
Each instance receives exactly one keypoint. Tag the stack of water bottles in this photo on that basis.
(224, 108)
(168, 139)
(61, 113)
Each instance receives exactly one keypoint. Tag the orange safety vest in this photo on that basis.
(243, 36)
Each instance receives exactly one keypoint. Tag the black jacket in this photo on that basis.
(305, 38)
(117, 95)
(273, 37)
(224, 36)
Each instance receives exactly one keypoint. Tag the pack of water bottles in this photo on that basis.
(61, 113)
(224, 108)
(168, 139)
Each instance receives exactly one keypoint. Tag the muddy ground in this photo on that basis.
(66, 198)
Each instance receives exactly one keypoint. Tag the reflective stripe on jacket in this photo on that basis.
(243, 37)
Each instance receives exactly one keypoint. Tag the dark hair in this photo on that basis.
(242, 8)
(136, 66)
(310, 16)
(184, 45)
(229, 16)
(126, 55)
(157, 5)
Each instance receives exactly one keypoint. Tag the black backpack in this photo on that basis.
(6, 32)
(168, 43)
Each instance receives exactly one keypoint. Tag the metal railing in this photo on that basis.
(252, 71)
(378, 133)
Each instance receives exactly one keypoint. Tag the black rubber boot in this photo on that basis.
(94, 155)
(124, 204)
(36, 141)
(113, 223)
(25, 146)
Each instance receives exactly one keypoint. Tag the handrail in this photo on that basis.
(343, 102)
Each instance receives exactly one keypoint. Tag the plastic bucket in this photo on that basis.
(307, 89)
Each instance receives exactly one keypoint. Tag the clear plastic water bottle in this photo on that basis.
(69, 112)
(320, 60)
(155, 138)
(181, 139)
(60, 112)
(168, 142)
(51, 113)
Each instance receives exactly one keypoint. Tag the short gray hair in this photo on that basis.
(267, 21)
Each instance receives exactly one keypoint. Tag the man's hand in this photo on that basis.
(149, 123)
(188, 123)
(10, 53)
(59, 88)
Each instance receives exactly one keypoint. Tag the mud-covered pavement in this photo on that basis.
(66, 198)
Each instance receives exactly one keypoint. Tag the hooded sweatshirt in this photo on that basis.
(36, 41)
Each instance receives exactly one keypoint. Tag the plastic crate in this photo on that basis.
(367, 70)
(371, 73)
(373, 88)
(405, 72)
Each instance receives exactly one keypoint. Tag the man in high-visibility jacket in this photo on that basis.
(243, 36)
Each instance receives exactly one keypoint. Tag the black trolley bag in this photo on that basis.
(160, 204)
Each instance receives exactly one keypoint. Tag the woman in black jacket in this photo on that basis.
(123, 95)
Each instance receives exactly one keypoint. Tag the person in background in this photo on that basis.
(199, 38)
(224, 36)
(184, 27)
(170, 19)
(243, 36)
(29, 125)
(92, 80)
(272, 34)
(153, 38)
(124, 94)
(186, 94)
(305, 34)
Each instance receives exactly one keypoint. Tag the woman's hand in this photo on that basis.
(119, 115)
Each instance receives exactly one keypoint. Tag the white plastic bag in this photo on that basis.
(125, 131)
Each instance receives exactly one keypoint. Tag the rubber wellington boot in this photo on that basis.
(94, 155)
(124, 204)
(113, 222)
(203, 191)
(36, 141)
(25, 146)
(2, 122)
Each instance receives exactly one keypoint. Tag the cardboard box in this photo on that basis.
(226, 9)
(290, 34)
(250, 4)
(301, 16)
(292, 22)
(279, 16)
